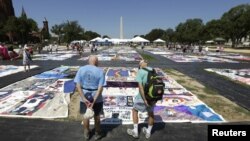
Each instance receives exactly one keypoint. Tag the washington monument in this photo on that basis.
(121, 28)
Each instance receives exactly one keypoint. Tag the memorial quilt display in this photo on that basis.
(38, 97)
(177, 105)
(241, 75)
(60, 55)
(178, 56)
(117, 53)
(11, 69)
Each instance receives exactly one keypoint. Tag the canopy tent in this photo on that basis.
(100, 40)
(139, 39)
(219, 39)
(159, 41)
(79, 41)
(97, 39)
(209, 42)
(119, 41)
(106, 40)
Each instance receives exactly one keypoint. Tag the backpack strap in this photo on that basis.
(149, 71)
(153, 70)
(28, 55)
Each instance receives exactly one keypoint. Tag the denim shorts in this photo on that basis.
(98, 108)
(139, 105)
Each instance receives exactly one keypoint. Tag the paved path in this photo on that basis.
(42, 130)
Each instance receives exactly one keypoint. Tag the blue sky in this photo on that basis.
(139, 16)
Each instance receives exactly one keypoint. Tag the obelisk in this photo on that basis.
(121, 28)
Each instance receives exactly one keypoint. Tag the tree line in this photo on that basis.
(233, 25)
(71, 30)
(18, 29)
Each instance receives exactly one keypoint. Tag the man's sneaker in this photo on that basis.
(147, 135)
(132, 133)
(98, 136)
(86, 135)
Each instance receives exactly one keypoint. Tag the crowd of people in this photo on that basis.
(196, 49)
(185, 48)
(79, 47)
(52, 47)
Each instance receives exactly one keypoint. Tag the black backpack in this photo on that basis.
(154, 87)
(28, 55)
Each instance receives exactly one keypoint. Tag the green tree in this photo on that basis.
(212, 30)
(236, 23)
(10, 28)
(169, 36)
(190, 31)
(25, 28)
(2, 33)
(105, 36)
(72, 31)
(155, 34)
(58, 30)
(91, 35)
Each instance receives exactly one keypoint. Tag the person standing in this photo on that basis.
(206, 49)
(89, 82)
(141, 103)
(56, 47)
(26, 58)
(50, 48)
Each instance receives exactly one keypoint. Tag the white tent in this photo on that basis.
(139, 39)
(107, 40)
(79, 41)
(97, 39)
(209, 42)
(159, 41)
(119, 41)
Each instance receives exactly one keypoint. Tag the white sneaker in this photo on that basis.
(86, 135)
(147, 135)
(132, 133)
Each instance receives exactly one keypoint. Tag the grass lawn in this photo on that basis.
(244, 51)
(147, 57)
(223, 106)
(228, 78)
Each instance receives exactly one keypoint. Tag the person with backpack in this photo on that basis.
(145, 100)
